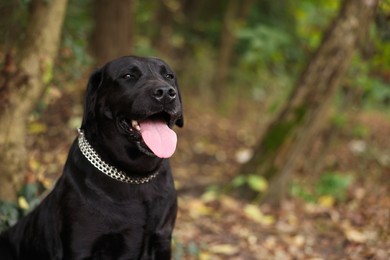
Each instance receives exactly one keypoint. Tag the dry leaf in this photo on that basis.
(37, 128)
(224, 249)
(354, 235)
(197, 209)
(22, 202)
(254, 212)
(326, 201)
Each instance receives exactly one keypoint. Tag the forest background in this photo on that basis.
(285, 150)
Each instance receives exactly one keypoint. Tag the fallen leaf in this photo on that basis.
(224, 249)
(22, 202)
(257, 183)
(254, 212)
(205, 256)
(197, 208)
(326, 201)
(230, 203)
(37, 128)
(354, 235)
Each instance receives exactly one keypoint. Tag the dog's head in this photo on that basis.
(131, 106)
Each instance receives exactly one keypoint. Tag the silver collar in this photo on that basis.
(104, 167)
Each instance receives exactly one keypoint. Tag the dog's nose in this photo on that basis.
(164, 94)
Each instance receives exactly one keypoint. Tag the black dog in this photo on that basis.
(116, 197)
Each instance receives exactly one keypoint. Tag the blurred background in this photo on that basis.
(285, 151)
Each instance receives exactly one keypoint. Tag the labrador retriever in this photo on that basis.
(116, 196)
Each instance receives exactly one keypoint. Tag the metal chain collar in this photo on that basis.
(105, 168)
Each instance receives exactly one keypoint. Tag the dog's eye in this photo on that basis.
(129, 76)
(169, 76)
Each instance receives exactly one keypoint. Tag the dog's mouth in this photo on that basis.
(153, 134)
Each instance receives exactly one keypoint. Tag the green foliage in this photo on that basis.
(334, 184)
(368, 74)
(300, 191)
(9, 214)
(28, 199)
(74, 55)
(31, 194)
(13, 20)
(381, 37)
(273, 43)
(255, 182)
(339, 120)
(265, 45)
(264, 56)
(361, 131)
(180, 250)
(277, 136)
(331, 184)
(369, 87)
(47, 75)
(312, 17)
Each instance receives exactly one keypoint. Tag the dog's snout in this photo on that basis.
(165, 94)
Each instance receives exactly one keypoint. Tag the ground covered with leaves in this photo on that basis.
(338, 205)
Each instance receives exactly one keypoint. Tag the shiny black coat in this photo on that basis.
(89, 215)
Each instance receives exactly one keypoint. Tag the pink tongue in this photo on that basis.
(159, 138)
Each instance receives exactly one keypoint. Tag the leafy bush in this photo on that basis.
(255, 182)
(9, 214)
(332, 185)
(28, 199)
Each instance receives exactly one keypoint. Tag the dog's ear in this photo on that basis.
(95, 80)
(179, 122)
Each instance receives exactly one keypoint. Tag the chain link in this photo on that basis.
(104, 167)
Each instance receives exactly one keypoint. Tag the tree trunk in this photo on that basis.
(164, 31)
(235, 14)
(281, 148)
(113, 32)
(22, 82)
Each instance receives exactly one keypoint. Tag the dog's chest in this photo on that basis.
(120, 229)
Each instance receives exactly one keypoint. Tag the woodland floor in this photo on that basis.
(211, 225)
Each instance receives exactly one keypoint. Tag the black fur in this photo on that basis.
(89, 215)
